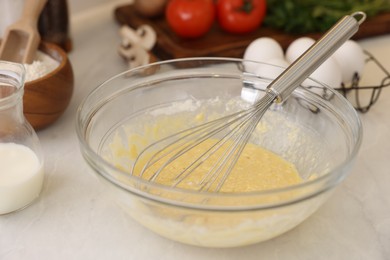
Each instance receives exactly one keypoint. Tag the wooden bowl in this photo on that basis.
(46, 98)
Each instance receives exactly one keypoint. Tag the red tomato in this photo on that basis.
(241, 16)
(190, 18)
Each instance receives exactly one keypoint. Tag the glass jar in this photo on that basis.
(21, 157)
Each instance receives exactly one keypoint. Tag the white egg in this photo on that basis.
(261, 50)
(281, 62)
(271, 72)
(328, 73)
(351, 59)
(297, 48)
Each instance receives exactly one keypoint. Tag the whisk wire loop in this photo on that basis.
(240, 137)
(234, 131)
(182, 140)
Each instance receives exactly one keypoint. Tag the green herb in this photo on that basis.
(304, 16)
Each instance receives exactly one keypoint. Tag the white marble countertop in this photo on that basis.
(74, 218)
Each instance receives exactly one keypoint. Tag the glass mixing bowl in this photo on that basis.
(316, 129)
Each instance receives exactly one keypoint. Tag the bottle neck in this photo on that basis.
(11, 102)
(11, 97)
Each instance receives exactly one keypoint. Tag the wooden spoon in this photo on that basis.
(21, 39)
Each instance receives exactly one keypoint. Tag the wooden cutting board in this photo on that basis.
(218, 43)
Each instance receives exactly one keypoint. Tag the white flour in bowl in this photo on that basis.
(42, 65)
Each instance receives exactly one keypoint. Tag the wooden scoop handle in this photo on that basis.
(32, 9)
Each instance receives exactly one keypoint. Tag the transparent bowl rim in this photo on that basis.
(331, 178)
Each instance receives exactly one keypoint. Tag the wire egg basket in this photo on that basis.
(362, 96)
(358, 93)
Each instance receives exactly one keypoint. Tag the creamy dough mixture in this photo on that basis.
(256, 170)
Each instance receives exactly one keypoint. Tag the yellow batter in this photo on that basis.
(256, 170)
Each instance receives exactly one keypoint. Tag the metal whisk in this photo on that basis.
(230, 134)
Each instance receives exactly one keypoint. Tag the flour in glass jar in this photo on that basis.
(42, 65)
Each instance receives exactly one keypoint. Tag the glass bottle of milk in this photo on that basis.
(21, 158)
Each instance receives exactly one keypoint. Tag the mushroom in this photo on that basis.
(150, 8)
(136, 45)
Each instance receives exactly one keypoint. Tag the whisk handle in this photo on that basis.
(310, 60)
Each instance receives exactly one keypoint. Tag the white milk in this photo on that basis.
(21, 177)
